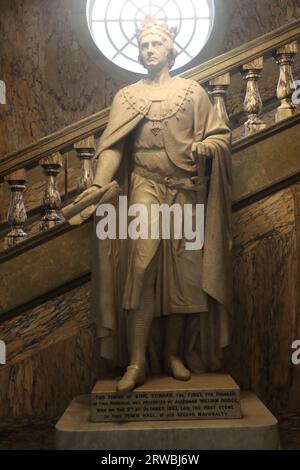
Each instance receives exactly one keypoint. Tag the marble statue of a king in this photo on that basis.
(160, 307)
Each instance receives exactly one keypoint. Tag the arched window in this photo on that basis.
(113, 24)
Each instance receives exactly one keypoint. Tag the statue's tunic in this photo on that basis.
(178, 280)
(162, 125)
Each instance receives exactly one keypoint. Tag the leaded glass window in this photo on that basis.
(113, 24)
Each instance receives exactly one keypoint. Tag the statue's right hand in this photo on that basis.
(85, 193)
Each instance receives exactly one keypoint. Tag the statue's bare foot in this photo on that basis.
(134, 376)
(177, 369)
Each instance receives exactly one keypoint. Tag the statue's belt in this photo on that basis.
(191, 182)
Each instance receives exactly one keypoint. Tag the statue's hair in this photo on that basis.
(151, 25)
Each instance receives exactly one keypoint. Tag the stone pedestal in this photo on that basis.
(204, 396)
(257, 429)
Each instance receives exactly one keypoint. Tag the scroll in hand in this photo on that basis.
(84, 206)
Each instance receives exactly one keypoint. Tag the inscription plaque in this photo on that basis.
(206, 396)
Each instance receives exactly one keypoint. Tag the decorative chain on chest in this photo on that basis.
(174, 105)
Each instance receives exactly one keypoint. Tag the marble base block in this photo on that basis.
(257, 429)
(205, 396)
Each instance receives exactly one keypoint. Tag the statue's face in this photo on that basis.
(153, 51)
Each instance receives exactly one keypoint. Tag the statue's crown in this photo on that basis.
(152, 25)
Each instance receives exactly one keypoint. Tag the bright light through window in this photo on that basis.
(113, 25)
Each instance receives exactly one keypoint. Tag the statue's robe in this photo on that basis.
(190, 117)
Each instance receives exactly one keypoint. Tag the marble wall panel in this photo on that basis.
(252, 18)
(51, 82)
(266, 315)
(50, 358)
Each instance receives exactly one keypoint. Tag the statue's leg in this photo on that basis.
(139, 323)
(173, 361)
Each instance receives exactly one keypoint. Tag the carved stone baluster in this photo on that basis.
(85, 151)
(218, 90)
(284, 57)
(253, 104)
(51, 200)
(16, 216)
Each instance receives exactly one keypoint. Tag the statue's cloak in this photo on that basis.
(190, 118)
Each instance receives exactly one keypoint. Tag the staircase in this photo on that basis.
(45, 264)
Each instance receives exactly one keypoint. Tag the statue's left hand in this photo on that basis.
(200, 149)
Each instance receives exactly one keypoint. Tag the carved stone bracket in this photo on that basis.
(85, 150)
(251, 72)
(284, 57)
(16, 216)
(51, 200)
(218, 90)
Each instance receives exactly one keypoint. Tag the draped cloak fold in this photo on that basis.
(191, 118)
